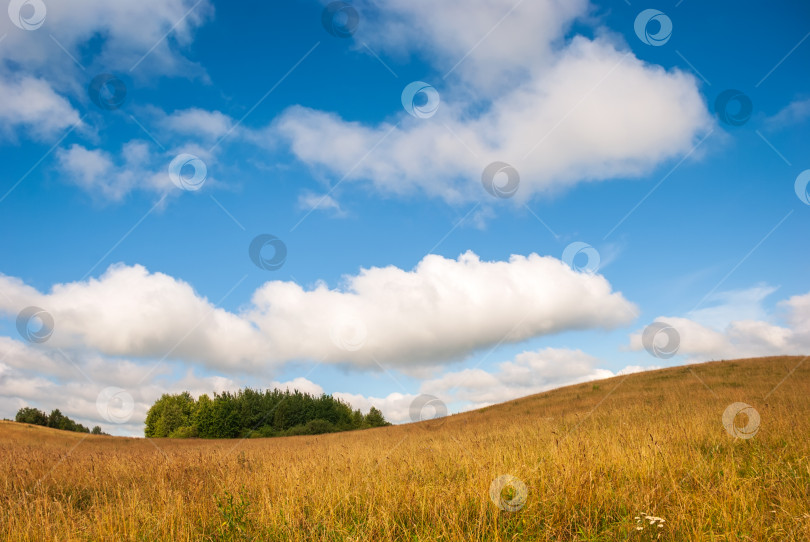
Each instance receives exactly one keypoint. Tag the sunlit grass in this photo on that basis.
(599, 461)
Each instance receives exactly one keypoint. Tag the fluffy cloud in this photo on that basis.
(131, 312)
(560, 113)
(40, 68)
(130, 30)
(137, 167)
(95, 171)
(794, 113)
(197, 123)
(44, 72)
(310, 201)
(33, 104)
(484, 42)
(441, 310)
(299, 383)
(740, 337)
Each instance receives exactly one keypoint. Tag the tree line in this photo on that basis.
(251, 413)
(55, 419)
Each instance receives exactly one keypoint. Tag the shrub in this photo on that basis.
(318, 427)
(186, 431)
(266, 431)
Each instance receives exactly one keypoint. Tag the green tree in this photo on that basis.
(375, 418)
(358, 420)
(31, 415)
(153, 415)
(250, 408)
(57, 420)
(225, 416)
(203, 419)
(168, 414)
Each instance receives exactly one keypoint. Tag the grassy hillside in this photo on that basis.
(593, 458)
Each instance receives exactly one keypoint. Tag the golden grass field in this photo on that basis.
(593, 457)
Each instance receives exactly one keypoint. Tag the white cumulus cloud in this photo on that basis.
(560, 112)
(33, 105)
(42, 68)
(197, 123)
(442, 310)
(148, 33)
(785, 333)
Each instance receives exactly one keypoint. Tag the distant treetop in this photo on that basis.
(55, 419)
(252, 413)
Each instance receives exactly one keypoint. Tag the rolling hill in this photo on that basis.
(646, 456)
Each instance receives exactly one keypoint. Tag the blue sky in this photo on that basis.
(617, 144)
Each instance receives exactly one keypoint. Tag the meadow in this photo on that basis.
(638, 457)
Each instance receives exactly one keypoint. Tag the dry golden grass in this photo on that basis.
(593, 456)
